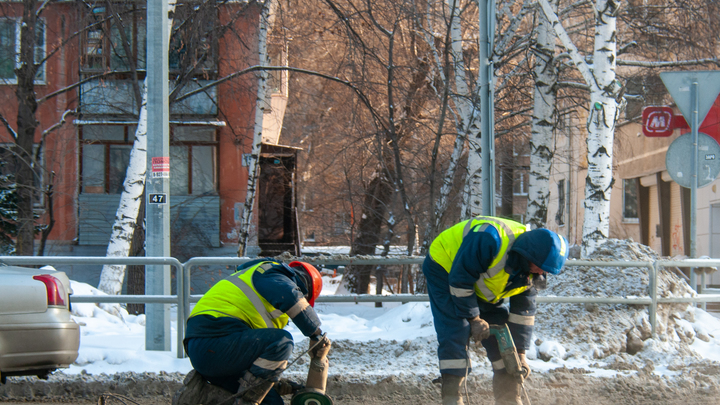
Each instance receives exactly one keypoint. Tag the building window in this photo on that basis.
(521, 181)
(560, 215)
(194, 45)
(10, 49)
(106, 154)
(630, 200)
(111, 43)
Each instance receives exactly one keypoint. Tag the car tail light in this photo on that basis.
(55, 289)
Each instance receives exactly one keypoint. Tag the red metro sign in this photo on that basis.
(657, 121)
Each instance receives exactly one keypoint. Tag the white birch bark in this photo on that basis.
(254, 158)
(467, 124)
(543, 122)
(112, 276)
(602, 116)
(601, 128)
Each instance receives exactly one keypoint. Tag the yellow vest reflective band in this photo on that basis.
(235, 297)
(491, 285)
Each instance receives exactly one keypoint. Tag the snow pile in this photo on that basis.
(619, 335)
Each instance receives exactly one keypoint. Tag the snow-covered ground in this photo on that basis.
(589, 354)
(396, 339)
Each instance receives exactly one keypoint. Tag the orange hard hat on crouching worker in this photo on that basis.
(314, 276)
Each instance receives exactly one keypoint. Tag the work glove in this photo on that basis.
(539, 281)
(479, 329)
(287, 387)
(524, 366)
(321, 346)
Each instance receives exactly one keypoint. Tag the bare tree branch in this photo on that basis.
(60, 123)
(42, 8)
(8, 127)
(662, 64)
(256, 68)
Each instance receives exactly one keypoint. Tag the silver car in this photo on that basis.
(37, 334)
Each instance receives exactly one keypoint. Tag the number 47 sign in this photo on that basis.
(157, 198)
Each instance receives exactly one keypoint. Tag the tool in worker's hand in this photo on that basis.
(509, 355)
(314, 391)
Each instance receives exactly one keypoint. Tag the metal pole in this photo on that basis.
(652, 311)
(695, 100)
(703, 283)
(487, 119)
(157, 185)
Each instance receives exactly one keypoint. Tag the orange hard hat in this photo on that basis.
(314, 276)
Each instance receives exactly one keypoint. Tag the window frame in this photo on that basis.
(135, 16)
(128, 140)
(521, 180)
(209, 68)
(40, 52)
(625, 219)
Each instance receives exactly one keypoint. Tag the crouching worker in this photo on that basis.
(470, 269)
(235, 338)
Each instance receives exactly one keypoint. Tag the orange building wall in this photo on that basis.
(237, 108)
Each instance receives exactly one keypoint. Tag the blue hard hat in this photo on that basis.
(543, 247)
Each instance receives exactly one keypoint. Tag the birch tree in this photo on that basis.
(543, 121)
(254, 157)
(603, 112)
(454, 63)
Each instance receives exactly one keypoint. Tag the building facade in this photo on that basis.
(93, 79)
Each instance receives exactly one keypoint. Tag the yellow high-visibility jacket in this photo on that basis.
(491, 285)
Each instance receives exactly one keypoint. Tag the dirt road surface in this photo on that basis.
(692, 386)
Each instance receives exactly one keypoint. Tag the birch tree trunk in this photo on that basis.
(126, 218)
(254, 158)
(543, 122)
(601, 127)
(602, 116)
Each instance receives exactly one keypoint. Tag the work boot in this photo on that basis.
(196, 390)
(253, 389)
(452, 389)
(506, 388)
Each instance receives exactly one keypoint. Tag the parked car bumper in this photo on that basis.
(43, 346)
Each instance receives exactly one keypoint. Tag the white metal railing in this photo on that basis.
(183, 297)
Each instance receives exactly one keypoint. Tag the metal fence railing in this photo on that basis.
(183, 298)
(117, 299)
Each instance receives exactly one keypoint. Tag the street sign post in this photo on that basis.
(684, 87)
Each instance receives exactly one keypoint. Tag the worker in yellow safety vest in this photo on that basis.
(471, 268)
(235, 338)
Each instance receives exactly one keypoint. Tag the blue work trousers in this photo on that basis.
(224, 360)
(453, 331)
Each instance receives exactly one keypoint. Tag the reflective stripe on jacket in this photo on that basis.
(236, 297)
(491, 285)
